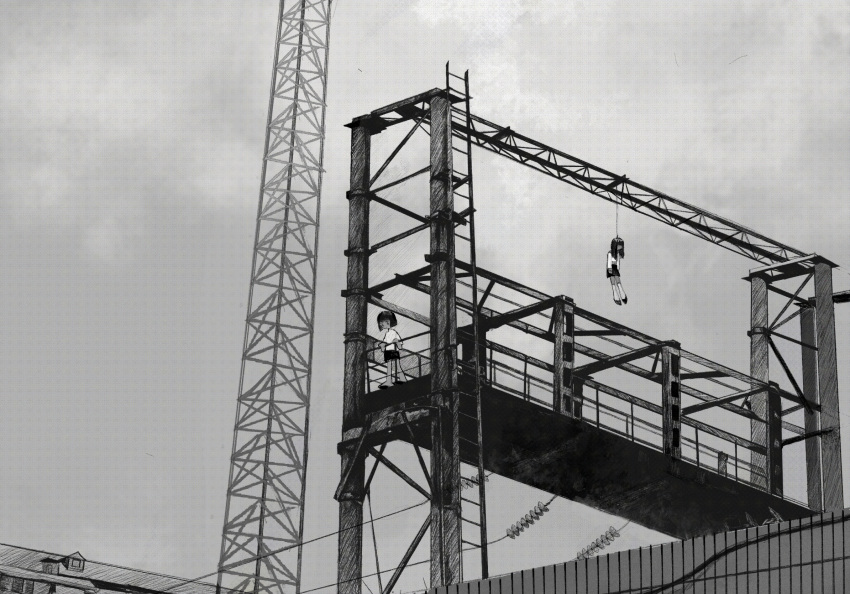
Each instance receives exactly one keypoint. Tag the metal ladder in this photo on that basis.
(469, 416)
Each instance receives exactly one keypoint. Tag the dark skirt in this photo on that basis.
(390, 355)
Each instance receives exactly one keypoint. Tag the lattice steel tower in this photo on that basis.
(264, 515)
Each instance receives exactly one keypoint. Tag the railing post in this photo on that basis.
(563, 328)
(671, 403)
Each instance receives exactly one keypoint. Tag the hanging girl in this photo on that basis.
(615, 257)
(391, 345)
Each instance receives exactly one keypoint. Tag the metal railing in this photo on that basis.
(603, 406)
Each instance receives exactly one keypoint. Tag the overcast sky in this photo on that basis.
(131, 138)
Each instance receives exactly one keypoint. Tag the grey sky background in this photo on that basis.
(131, 139)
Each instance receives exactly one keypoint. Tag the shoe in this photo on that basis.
(399, 381)
(618, 302)
(385, 386)
(625, 300)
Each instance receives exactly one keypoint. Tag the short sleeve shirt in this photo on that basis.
(391, 337)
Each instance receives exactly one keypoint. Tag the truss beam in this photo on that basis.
(620, 190)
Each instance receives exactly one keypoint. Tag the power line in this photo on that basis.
(393, 569)
(292, 546)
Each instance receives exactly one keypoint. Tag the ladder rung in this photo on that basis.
(470, 521)
(470, 501)
(473, 544)
(475, 443)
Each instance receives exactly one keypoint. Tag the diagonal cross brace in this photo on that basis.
(403, 475)
(495, 321)
(617, 360)
(720, 401)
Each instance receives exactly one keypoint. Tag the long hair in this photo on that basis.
(618, 246)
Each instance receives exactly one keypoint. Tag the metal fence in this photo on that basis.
(806, 556)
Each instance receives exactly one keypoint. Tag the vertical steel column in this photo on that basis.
(350, 558)
(577, 397)
(773, 439)
(671, 401)
(833, 490)
(814, 471)
(759, 370)
(563, 329)
(559, 395)
(466, 339)
(445, 447)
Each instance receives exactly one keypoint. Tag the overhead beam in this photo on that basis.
(402, 311)
(621, 190)
(493, 322)
(797, 438)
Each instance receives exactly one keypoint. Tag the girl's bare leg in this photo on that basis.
(622, 291)
(614, 290)
(388, 381)
(399, 377)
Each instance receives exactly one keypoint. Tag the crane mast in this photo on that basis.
(264, 513)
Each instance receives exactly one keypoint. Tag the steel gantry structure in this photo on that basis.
(264, 514)
(664, 454)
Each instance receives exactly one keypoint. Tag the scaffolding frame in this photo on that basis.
(679, 373)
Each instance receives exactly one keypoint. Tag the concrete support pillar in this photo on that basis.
(814, 472)
(563, 328)
(830, 443)
(446, 564)
(671, 401)
(350, 561)
(759, 370)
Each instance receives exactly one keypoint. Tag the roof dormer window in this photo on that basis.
(74, 562)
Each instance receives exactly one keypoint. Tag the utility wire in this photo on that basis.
(292, 546)
(392, 569)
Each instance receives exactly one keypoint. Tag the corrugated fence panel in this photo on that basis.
(591, 576)
(721, 564)
(571, 578)
(604, 577)
(614, 560)
(516, 583)
(561, 578)
(634, 570)
(817, 557)
(581, 576)
(841, 582)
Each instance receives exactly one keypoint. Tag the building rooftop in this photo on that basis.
(93, 576)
